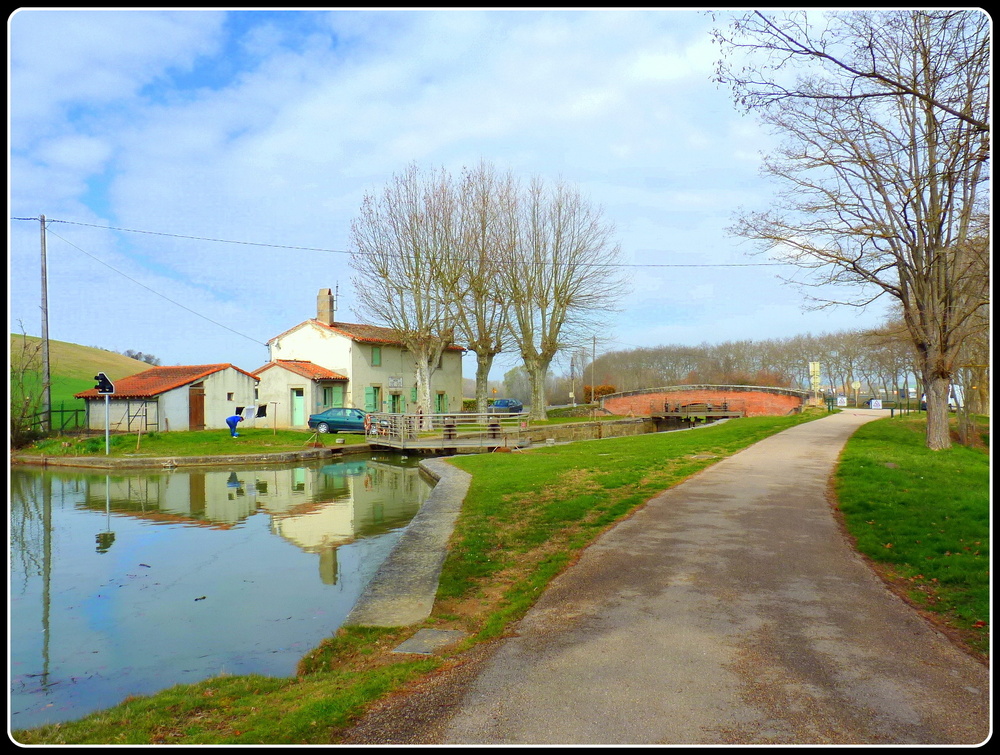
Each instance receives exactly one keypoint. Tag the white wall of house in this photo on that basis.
(144, 414)
(224, 392)
(395, 375)
(175, 410)
(276, 389)
(311, 343)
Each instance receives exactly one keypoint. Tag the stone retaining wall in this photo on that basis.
(608, 428)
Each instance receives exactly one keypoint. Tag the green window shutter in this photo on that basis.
(413, 394)
(338, 396)
(370, 400)
(376, 356)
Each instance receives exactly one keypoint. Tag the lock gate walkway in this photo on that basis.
(447, 433)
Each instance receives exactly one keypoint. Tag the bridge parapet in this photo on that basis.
(750, 400)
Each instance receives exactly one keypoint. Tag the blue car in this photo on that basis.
(507, 406)
(338, 421)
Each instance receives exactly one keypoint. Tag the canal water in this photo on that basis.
(128, 583)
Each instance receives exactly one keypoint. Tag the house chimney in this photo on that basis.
(325, 306)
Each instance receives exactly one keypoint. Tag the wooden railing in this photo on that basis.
(59, 420)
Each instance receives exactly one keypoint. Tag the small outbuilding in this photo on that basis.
(182, 397)
(292, 389)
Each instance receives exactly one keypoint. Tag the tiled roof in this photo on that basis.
(159, 380)
(374, 334)
(305, 369)
(364, 333)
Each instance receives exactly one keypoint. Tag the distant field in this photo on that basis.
(73, 367)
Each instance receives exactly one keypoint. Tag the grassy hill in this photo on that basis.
(73, 366)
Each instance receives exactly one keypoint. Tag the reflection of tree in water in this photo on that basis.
(28, 494)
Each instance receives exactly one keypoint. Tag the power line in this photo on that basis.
(344, 251)
(143, 285)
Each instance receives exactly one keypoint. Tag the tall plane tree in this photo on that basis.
(560, 276)
(885, 119)
(485, 237)
(408, 274)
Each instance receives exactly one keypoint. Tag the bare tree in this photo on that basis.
(485, 201)
(973, 375)
(408, 275)
(26, 388)
(560, 276)
(883, 166)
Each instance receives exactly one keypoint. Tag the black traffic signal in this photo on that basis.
(103, 384)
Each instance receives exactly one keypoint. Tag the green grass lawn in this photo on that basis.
(923, 517)
(525, 518)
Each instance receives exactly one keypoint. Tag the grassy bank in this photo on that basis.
(526, 516)
(257, 440)
(923, 519)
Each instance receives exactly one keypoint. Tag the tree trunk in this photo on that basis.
(484, 361)
(938, 430)
(423, 378)
(538, 370)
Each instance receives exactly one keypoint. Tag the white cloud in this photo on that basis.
(269, 127)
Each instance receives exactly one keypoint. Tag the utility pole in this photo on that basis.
(46, 371)
(593, 372)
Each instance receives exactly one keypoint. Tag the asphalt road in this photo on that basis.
(730, 609)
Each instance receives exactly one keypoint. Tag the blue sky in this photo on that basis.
(267, 128)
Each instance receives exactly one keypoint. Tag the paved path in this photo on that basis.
(728, 610)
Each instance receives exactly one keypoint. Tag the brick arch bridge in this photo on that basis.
(751, 400)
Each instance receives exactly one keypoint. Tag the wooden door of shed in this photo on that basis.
(196, 407)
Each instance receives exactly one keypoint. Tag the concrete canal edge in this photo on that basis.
(403, 589)
(176, 462)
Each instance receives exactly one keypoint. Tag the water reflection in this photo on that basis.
(127, 584)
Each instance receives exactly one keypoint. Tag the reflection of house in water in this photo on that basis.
(193, 497)
(351, 500)
(315, 508)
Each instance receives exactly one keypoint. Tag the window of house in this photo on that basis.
(229, 397)
(376, 356)
(333, 396)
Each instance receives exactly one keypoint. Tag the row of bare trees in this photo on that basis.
(487, 260)
(883, 170)
(882, 360)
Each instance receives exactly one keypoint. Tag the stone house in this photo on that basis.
(322, 363)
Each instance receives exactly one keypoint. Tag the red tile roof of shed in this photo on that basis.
(305, 369)
(159, 380)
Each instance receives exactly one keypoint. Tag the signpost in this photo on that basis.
(106, 387)
(815, 372)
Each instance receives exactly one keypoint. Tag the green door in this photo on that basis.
(373, 398)
(298, 407)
